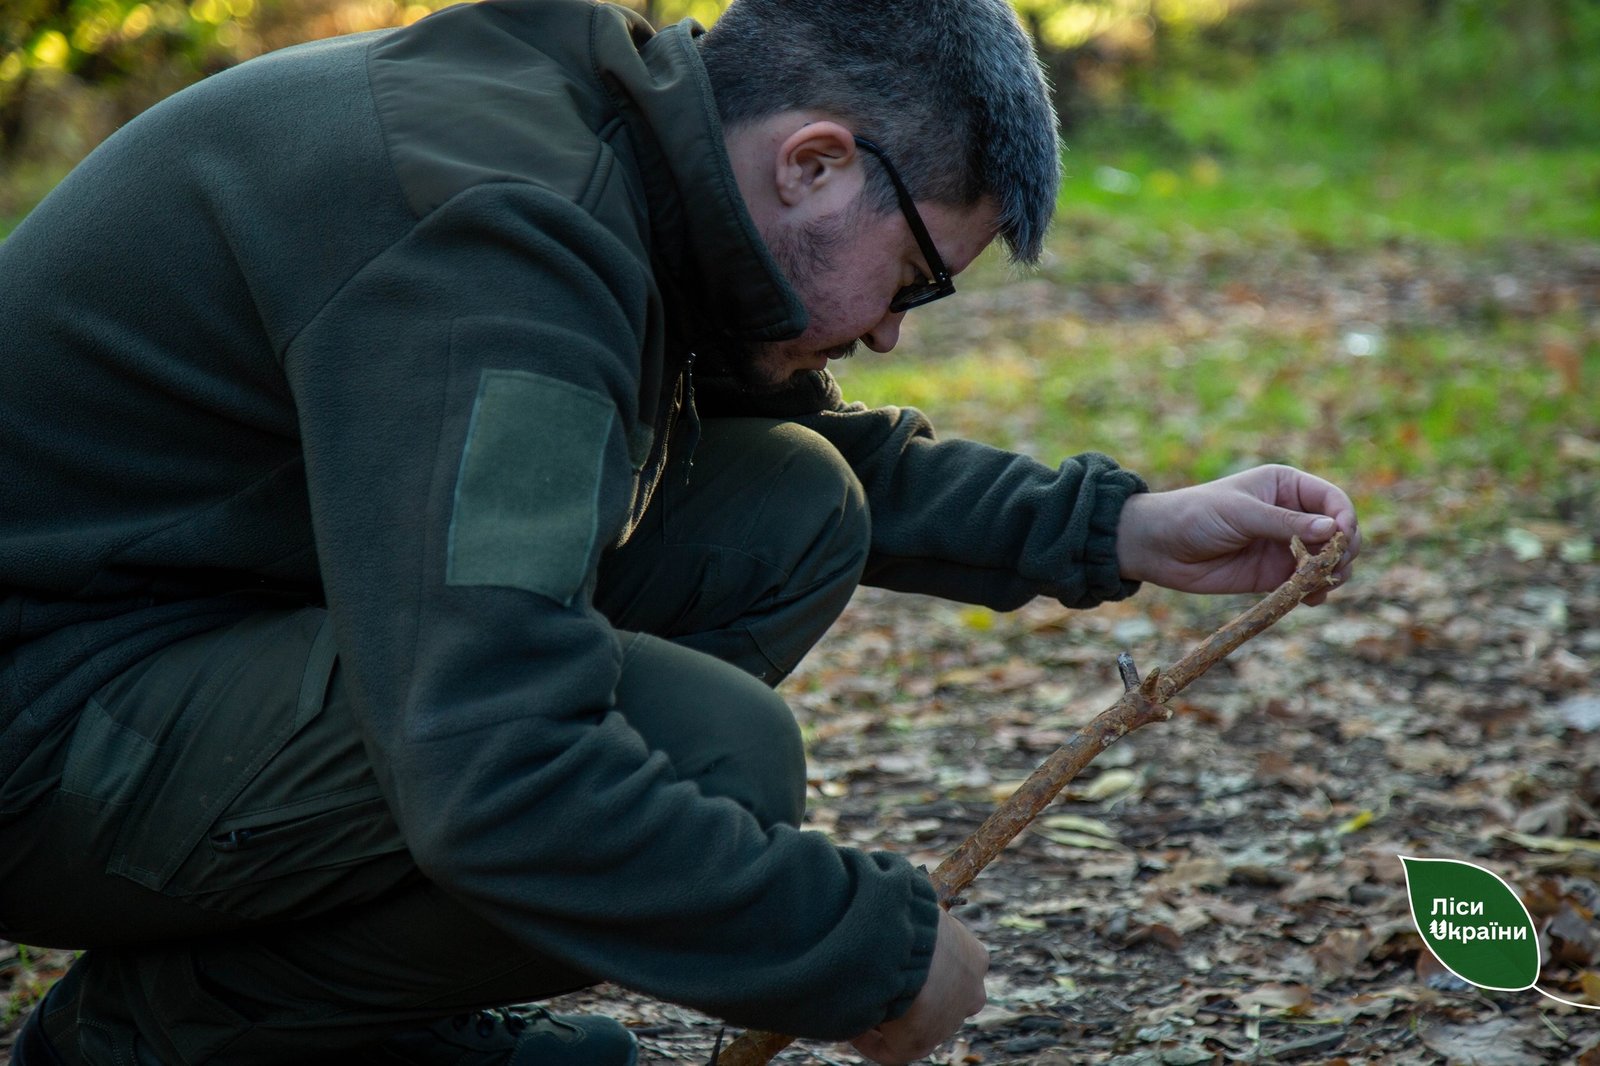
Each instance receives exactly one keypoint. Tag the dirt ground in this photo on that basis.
(1226, 887)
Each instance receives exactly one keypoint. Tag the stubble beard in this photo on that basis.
(802, 255)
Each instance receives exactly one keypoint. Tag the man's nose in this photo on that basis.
(884, 336)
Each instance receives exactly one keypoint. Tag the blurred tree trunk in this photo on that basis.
(11, 111)
(20, 20)
(1061, 67)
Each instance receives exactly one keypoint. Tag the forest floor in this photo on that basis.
(1226, 886)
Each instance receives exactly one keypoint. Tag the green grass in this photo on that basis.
(1463, 426)
(1363, 196)
(1481, 72)
(1347, 126)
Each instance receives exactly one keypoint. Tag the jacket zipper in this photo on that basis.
(692, 430)
(232, 840)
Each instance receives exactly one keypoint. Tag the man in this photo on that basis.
(419, 462)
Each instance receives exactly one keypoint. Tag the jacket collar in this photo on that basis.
(706, 244)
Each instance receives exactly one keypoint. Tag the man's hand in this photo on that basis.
(952, 993)
(1233, 534)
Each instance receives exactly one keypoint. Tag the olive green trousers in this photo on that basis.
(219, 845)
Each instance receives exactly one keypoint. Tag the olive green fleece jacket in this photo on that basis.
(358, 324)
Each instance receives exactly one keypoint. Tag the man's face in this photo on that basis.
(846, 267)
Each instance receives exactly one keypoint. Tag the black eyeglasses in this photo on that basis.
(926, 290)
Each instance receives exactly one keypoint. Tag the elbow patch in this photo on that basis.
(526, 511)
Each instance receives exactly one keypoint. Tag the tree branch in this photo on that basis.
(1143, 702)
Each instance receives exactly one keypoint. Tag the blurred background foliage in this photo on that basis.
(1358, 235)
(1212, 76)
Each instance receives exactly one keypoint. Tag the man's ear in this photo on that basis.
(818, 158)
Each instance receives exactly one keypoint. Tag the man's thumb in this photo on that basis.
(1280, 523)
(1318, 529)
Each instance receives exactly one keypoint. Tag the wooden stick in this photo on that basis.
(1142, 702)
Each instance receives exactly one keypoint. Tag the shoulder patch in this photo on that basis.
(526, 506)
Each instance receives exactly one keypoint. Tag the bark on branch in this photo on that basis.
(1143, 702)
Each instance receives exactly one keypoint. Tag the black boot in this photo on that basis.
(526, 1037)
(529, 1036)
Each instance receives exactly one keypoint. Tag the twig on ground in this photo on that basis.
(1143, 702)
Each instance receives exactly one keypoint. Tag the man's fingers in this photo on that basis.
(1317, 509)
(1352, 549)
(871, 1046)
(952, 993)
(1265, 521)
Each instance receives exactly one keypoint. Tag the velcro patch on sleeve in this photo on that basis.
(526, 510)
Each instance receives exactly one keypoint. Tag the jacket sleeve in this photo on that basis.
(466, 406)
(960, 519)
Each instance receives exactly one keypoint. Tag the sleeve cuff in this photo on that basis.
(1103, 580)
(923, 913)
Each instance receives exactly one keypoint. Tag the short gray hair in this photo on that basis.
(951, 89)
